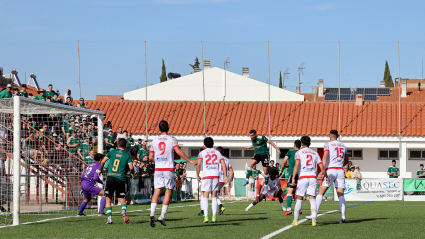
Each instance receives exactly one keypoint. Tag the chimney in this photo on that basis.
(403, 88)
(297, 89)
(359, 100)
(382, 85)
(245, 71)
(320, 87)
(207, 64)
(195, 70)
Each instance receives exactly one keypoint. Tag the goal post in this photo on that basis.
(38, 151)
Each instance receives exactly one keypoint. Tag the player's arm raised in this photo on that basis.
(198, 169)
(274, 146)
(183, 155)
(224, 167)
(249, 147)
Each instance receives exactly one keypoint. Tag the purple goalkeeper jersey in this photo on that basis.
(91, 175)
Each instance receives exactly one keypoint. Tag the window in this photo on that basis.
(416, 154)
(355, 154)
(194, 152)
(236, 153)
(388, 154)
(248, 153)
(283, 153)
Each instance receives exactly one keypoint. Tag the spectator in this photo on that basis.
(121, 134)
(349, 165)
(272, 164)
(143, 151)
(45, 130)
(6, 93)
(68, 95)
(68, 101)
(285, 173)
(89, 159)
(278, 166)
(48, 99)
(178, 172)
(130, 138)
(57, 99)
(94, 144)
(41, 95)
(3, 183)
(31, 96)
(109, 140)
(421, 172)
(355, 172)
(16, 92)
(393, 171)
(2, 165)
(72, 143)
(81, 104)
(347, 173)
(84, 150)
(139, 144)
(23, 91)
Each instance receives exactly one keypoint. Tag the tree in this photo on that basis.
(163, 76)
(387, 76)
(280, 79)
(196, 64)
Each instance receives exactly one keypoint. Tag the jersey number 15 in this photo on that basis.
(340, 152)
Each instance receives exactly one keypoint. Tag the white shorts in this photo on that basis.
(269, 192)
(164, 179)
(209, 185)
(308, 185)
(335, 176)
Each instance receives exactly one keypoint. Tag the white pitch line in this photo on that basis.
(291, 226)
(57, 218)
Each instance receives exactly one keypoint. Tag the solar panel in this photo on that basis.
(370, 97)
(384, 91)
(331, 97)
(360, 91)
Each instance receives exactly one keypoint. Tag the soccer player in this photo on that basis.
(88, 184)
(334, 157)
(306, 161)
(274, 189)
(221, 179)
(290, 159)
(115, 182)
(261, 154)
(211, 159)
(162, 153)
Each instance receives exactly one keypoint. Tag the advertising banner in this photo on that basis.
(414, 185)
(373, 189)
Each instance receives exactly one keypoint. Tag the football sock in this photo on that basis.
(164, 210)
(214, 206)
(102, 204)
(205, 206)
(282, 205)
(297, 209)
(248, 173)
(250, 206)
(266, 179)
(124, 207)
(218, 201)
(153, 208)
(313, 208)
(319, 199)
(109, 211)
(289, 201)
(342, 206)
(83, 206)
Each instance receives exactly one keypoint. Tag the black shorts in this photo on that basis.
(289, 185)
(114, 185)
(264, 159)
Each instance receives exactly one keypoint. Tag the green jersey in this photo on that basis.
(49, 93)
(85, 149)
(23, 93)
(255, 173)
(139, 147)
(130, 140)
(110, 139)
(5, 94)
(39, 97)
(291, 161)
(65, 125)
(73, 141)
(88, 160)
(260, 145)
(420, 172)
(393, 170)
(286, 174)
(142, 153)
(119, 163)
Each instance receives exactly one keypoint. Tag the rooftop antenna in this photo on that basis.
(300, 71)
(225, 64)
(285, 73)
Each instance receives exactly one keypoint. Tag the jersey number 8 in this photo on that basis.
(209, 157)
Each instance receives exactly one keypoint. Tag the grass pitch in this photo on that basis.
(366, 220)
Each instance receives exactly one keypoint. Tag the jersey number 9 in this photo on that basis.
(115, 165)
(161, 147)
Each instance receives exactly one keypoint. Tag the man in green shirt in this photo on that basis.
(143, 151)
(290, 186)
(85, 148)
(393, 171)
(89, 159)
(121, 162)
(41, 95)
(50, 92)
(109, 140)
(72, 143)
(261, 154)
(7, 93)
(23, 92)
(421, 172)
(139, 144)
(255, 173)
(285, 172)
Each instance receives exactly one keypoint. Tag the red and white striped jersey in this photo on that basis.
(163, 149)
(210, 163)
(227, 162)
(336, 156)
(309, 159)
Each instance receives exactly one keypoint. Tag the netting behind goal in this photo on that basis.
(49, 145)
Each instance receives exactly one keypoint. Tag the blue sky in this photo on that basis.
(41, 37)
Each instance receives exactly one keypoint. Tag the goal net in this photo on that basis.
(44, 148)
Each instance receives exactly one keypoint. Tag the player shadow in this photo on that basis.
(352, 221)
(167, 220)
(257, 213)
(208, 225)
